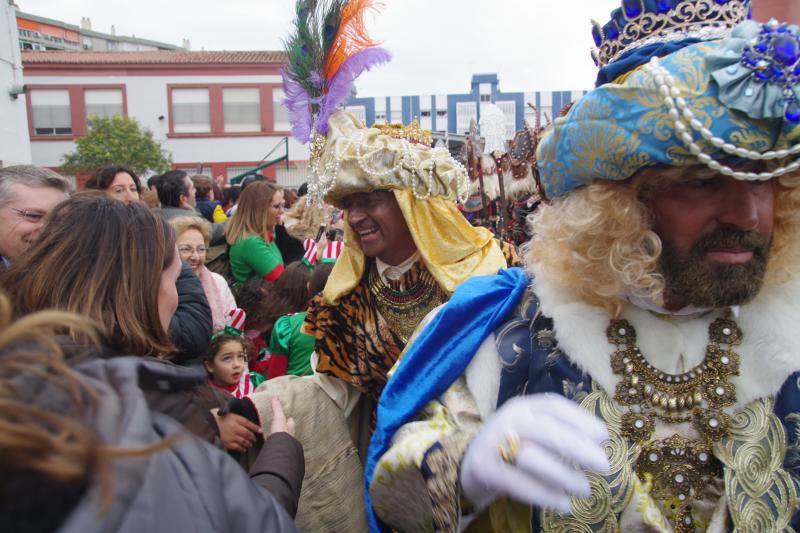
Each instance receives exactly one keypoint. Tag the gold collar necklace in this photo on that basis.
(680, 468)
(403, 308)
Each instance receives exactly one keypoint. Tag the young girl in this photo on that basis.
(226, 362)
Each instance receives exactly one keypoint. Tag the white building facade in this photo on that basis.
(220, 113)
(217, 113)
(15, 145)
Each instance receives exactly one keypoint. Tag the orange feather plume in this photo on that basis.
(351, 36)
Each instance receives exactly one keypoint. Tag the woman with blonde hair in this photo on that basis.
(250, 233)
(192, 236)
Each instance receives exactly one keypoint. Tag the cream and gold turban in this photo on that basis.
(426, 182)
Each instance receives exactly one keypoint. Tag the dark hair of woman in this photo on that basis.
(104, 176)
(102, 259)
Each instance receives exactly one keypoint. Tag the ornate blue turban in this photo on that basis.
(686, 102)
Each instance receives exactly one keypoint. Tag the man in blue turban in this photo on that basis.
(641, 374)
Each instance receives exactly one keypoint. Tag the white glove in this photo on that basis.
(558, 441)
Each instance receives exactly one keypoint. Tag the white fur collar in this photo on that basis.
(770, 351)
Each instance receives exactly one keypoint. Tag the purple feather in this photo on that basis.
(340, 86)
(298, 103)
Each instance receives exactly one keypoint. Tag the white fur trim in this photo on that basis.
(483, 376)
(770, 351)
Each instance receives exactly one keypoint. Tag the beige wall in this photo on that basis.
(782, 10)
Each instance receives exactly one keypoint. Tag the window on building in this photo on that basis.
(50, 112)
(465, 113)
(292, 177)
(241, 108)
(380, 118)
(486, 98)
(280, 112)
(510, 111)
(191, 171)
(234, 171)
(358, 111)
(425, 120)
(103, 102)
(190, 111)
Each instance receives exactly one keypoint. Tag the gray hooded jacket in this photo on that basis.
(190, 486)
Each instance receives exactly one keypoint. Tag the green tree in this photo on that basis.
(116, 140)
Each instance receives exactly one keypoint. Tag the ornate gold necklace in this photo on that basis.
(404, 308)
(679, 467)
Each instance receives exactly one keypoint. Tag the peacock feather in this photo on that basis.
(328, 49)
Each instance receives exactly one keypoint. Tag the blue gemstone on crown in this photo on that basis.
(662, 6)
(638, 23)
(613, 31)
(596, 35)
(633, 8)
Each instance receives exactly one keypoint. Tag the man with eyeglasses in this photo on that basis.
(27, 194)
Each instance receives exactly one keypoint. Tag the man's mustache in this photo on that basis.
(733, 239)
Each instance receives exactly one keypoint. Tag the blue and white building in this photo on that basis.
(452, 113)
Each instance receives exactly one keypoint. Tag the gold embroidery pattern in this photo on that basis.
(761, 495)
(443, 463)
(611, 493)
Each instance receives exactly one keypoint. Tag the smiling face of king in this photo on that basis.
(379, 225)
(716, 233)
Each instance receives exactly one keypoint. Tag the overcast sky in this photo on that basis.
(437, 44)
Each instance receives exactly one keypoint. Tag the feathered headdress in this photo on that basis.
(328, 50)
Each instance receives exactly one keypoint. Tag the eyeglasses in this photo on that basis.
(188, 250)
(33, 217)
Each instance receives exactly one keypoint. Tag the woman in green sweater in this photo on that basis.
(250, 233)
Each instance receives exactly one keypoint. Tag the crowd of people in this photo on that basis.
(356, 356)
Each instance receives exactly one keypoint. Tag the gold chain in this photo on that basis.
(404, 309)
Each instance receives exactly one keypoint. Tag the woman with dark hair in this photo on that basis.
(83, 452)
(121, 274)
(118, 182)
(251, 233)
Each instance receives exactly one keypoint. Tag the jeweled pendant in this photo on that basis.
(786, 49)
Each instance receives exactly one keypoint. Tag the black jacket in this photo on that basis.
(190, 328)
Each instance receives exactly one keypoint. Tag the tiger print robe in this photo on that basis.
(354, 342)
